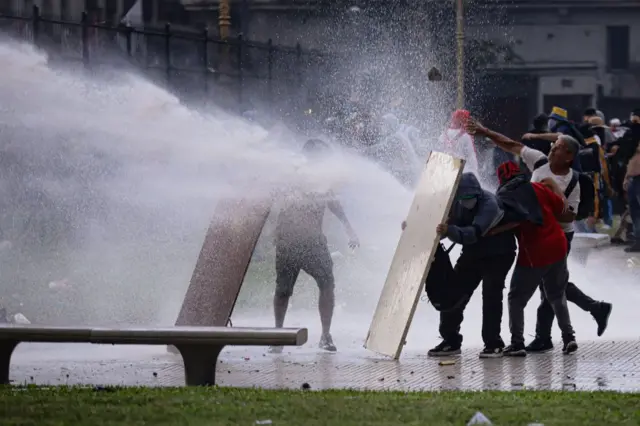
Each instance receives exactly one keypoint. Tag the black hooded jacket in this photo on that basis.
(469, 227)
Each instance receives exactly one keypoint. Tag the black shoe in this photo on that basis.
(539, 346)
(601, 315)
(569, 347)
(445, 349)
(515, 351)
(633, 249)
(490, 352)
(617, 241)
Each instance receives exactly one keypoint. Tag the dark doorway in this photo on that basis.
(618, 47)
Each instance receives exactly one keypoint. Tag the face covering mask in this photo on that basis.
(468, 203)
(552, 123)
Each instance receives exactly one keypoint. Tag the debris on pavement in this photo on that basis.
(479, 419)
(448, 362)
(60, 284)
(20, 319)
(263, 422)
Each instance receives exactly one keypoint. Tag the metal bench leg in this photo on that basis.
(6, 349)
(200, 364)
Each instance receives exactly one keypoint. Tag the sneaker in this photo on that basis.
(617, 241)
(569, 347)
(326, 343)
(276, 349)
(491, 352)
(515, 351)
(539, 346)
(602, 317)
(445, 349)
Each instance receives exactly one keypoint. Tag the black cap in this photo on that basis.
(540, 120)
(590, 112)
(636, 112)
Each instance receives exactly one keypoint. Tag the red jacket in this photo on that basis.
(546, 244)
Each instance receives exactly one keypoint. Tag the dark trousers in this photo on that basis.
(492, 272)
(633, 196)
(523, 285)
(574, 295)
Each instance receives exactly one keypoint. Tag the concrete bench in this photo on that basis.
(199, 346)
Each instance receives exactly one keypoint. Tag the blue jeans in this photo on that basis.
(633, 197)
(607, 217)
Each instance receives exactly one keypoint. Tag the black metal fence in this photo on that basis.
(231, 71)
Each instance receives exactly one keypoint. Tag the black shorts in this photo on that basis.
(313, 258)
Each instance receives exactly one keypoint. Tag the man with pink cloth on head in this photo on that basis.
(457, 142)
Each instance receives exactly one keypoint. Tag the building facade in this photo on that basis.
(571, 53)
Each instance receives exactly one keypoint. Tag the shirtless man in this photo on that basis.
(301, 245)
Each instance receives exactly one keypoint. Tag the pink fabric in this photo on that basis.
(459, 118)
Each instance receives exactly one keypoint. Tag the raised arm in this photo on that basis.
(551, 137)
(503, 142)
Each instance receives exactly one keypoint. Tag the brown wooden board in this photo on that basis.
(223, 262)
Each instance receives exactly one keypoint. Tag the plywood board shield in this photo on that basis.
(223, 262)
(414, 254)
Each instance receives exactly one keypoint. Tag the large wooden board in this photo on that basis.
(414, 254)
(223, 262)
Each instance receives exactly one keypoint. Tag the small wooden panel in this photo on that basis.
(405, 281)
(223, 262)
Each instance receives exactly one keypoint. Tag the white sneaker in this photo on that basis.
(326, 343)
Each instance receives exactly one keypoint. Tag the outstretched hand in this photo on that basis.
(442, 228)
(473, 127)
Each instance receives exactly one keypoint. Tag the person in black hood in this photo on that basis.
(540, 126)
(484, 258)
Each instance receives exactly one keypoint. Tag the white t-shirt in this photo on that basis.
(531, 157)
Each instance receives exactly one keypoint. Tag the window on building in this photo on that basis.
(111, 12)
(47, 9)
(90, 5)
(27, 8)
(618, 48)
(64, 10)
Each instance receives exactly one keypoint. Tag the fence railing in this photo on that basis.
(188, 61)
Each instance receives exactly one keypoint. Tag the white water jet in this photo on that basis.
(135, 176)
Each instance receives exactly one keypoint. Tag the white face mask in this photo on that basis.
(469, 203)
(551, 124)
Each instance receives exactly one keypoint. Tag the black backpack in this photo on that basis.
(442, 286)
(587, 191)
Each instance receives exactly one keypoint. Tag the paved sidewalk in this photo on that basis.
(597, 366)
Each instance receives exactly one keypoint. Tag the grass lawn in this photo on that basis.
(228, 406)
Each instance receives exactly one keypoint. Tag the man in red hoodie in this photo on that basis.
(542, 257)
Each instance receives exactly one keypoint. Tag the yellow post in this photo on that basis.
(460, 41)
(224, 19)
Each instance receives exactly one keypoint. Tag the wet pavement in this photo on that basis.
(608, 363)
(605, 365)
